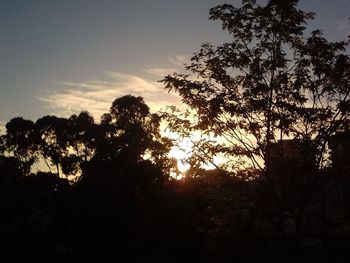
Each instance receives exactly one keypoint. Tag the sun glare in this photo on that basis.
(180, 156)
(181, 152)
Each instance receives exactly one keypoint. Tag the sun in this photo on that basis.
(180, 155)
(181, 152)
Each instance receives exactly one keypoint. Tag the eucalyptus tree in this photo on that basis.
(19, 143)
(81, 142)
(82, 131)
(129, 130)
(51, 137)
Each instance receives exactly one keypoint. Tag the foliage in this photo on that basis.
(268, 84)
(128, 131)
(269, 101)
(51, 137)
(19, 142)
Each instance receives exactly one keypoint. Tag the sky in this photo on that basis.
(64, 56)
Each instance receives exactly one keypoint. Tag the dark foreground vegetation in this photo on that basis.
(274, 103)
(126, 210)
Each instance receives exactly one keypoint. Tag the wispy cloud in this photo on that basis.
(179, 60)
(175, 64)
(96, 96)
(160, 72)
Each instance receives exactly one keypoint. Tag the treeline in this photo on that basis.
(117, 168)
(62, 145)
(125, 206)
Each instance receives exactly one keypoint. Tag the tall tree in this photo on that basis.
(81, 142)
(51, 136)
(270, 84)
(19, 143)
(130, 131)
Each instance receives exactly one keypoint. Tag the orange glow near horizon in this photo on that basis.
(181, 152)
(180, 155)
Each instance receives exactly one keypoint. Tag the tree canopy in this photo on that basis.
(128, 131)
(269, 101)
(270, 83)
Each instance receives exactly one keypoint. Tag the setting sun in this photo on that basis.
(181, 153)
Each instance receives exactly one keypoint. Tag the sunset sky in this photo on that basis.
(63, 56)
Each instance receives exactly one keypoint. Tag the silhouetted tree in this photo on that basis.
(131, 132)
(81, 142)
(269, 84)
(82, 133)
(51, 136)
(19, 142)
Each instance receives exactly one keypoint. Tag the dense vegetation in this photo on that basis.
(274, 103)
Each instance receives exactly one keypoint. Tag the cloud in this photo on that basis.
(161, 72)
(179, 60)
(96, 96)
(175, 64)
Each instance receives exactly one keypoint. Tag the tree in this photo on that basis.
(19, 143)
(51, 136)
(81, 135)
(81, 142)
(131, 132)
(267, 85)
